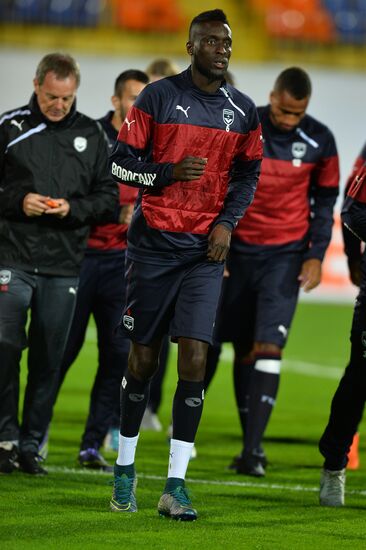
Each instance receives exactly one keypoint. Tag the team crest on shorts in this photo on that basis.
(128, 322)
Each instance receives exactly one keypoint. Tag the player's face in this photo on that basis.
(55, 96)
(286, 112)
(210, 48)
(124, 102)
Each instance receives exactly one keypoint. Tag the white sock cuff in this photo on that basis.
(126, 450)
(270, 366)
(180, 443)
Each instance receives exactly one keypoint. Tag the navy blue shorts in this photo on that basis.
(180, 300)
(259, 299)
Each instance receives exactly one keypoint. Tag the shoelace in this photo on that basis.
(335, 483)
(123, 487)
(182, 496)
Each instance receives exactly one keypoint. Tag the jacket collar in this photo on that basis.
(34, 107)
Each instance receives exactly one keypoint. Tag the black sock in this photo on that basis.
(187, 410)
(243, 371)
(262, 397)
(134, 398)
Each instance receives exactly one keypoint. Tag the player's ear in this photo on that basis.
(115, 101)
(189, 47)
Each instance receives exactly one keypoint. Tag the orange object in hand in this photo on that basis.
(52, 204)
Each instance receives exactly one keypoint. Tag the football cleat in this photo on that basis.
(257, 453)
(91, 458)
(248, 464)
(8, 458)
(332, 487)
(177, 505)
(30, 463)
(123, 497)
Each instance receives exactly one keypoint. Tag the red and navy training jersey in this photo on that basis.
(297, 189)
(112, 236)
(170, 120)
(354, 209)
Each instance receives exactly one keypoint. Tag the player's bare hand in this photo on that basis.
(190, 168)
(57, 207)
(218, 243)
(34, 204)
(125, 215)
(310, 274)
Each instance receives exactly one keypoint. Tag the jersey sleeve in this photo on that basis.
(324, 192)
(129, 160)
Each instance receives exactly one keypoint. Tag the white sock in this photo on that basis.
(179, 455)
(126, 450)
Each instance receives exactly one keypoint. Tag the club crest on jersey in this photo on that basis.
(228, 116)
(5, 276)
(298, 149)
(80, 144)
(128, 322)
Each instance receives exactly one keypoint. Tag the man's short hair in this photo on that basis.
(62, 64)
(206, 16)
(130, 74)
(162, 67)
(295, 81)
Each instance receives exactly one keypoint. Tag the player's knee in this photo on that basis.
(142, 363)
(193, 365)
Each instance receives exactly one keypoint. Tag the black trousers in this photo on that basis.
(349, 399)
(101, 293)
(50, 302)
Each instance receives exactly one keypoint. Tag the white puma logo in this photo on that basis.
(17, 124)
(129, 123)
(180, 108)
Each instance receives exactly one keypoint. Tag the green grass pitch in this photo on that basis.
(69, 508)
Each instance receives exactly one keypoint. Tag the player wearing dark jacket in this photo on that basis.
(54, 183)
(349, 399)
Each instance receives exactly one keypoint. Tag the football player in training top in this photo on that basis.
(101, 292)
(193, 145)
(349, 400)
(278, 248)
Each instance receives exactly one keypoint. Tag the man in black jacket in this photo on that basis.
(54, 183)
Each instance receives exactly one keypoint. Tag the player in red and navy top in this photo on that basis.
(101, 293)
(349, 399)
(192, 144)
(277, 248)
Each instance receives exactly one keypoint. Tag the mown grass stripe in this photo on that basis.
(248, 484)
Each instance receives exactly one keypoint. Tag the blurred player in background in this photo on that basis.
(349, 399)
(101, 293)
(277, 248)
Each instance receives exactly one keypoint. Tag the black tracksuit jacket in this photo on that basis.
(66, 159)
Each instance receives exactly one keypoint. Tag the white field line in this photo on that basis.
(218, 483)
